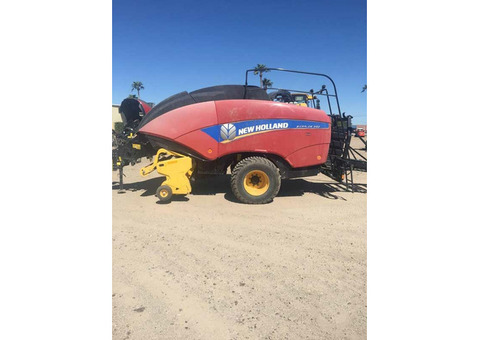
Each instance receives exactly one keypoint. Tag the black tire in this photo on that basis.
(257, 168)
(164, 193)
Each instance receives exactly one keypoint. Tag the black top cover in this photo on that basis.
(207, 94)
(131, 111)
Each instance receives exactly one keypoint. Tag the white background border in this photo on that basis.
(55, 242)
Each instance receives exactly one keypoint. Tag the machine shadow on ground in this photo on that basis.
(221, 185)
(148, 186)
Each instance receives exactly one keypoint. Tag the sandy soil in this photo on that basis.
(207, 267)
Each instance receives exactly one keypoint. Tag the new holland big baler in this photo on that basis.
(262, 139)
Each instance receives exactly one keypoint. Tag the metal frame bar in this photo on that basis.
(300, 91)
(364, 142)
(300, 72)
(355, 151)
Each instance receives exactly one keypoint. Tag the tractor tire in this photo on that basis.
(255, 180)
(164, 193)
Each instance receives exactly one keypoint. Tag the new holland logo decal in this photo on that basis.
(229, 132)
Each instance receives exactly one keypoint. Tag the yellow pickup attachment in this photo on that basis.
(177, 168)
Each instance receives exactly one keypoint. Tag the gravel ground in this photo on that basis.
(207, 267)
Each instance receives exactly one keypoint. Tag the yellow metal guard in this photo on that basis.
(177, 168)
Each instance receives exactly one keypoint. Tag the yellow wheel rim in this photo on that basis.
(256, 183)
(164, 193)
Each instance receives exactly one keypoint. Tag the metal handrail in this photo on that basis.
(300, 72)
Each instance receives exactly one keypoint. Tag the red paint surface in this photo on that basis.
(178, 122)
(300, 147)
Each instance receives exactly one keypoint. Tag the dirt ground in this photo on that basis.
(208, 267)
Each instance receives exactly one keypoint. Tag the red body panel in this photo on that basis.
(238, 110)
(178, 122)
(201, 143)
(197, 127)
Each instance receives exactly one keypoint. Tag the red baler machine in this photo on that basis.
(260, 137)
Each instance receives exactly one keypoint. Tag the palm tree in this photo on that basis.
(267, 83)
(260, 69)
(364, 88)
(137, 85)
